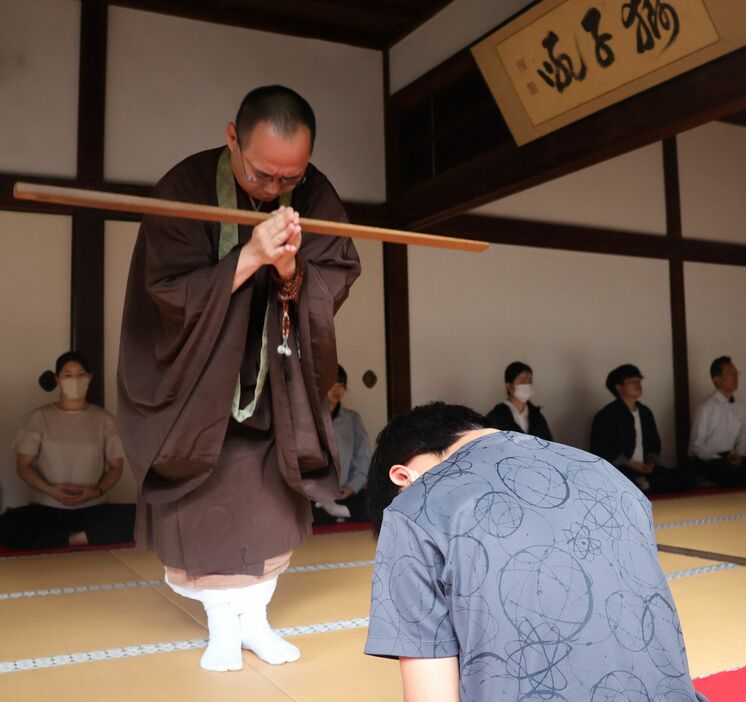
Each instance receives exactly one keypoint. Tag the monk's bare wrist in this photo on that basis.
(287, 272)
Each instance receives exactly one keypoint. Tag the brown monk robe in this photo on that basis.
(222, 398)
(219, 496)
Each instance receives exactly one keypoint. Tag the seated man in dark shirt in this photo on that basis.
(518, 413)
(624, 434)
(512, 568)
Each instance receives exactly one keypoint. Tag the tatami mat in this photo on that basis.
(333, 669)
(62, 570)
(306, 598)
(712, 609)
(162, 677)
(685, 508)
(44, 622)
(333, 548)
(144, 564)
(50, 626)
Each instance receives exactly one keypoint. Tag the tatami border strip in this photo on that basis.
(164, 647)
(81, 588)
(700, 522)
(145, 583)
(704, 570)
(329, 566)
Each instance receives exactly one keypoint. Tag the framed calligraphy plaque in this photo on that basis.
(562, 60)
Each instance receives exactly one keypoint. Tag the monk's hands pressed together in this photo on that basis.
(275, 241)
(277, 238)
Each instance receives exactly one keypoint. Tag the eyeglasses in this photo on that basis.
(263, 179)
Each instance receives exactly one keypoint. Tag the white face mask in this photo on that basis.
(74, 388)
(524, 392)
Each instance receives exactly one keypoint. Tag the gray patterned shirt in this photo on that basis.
(536, 564)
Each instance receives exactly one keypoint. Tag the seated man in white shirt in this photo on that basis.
(718, 440)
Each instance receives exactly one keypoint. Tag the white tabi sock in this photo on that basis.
(256, 634)
(223, 650)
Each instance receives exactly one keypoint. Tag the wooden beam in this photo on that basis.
(739, 118)
(706, 93)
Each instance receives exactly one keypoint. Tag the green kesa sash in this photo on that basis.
(225, 185)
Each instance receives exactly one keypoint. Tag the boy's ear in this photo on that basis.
(401, 475)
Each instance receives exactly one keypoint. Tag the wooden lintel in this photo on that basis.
(567, 237)
(574, 237)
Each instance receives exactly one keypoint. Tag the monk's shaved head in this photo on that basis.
(282, 107)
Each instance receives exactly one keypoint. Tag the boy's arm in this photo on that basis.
(430, 679)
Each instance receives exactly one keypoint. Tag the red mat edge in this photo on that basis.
(342, 527)
(728, 686)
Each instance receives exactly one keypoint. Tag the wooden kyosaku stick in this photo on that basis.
(77, 197)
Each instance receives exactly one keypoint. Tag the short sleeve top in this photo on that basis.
(536, 564)
(69, 447)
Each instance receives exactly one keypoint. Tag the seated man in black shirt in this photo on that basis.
(624, 433)
(518, 413)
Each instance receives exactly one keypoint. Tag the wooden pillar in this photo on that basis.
(87, 276)
(395, 290)
(678, 300)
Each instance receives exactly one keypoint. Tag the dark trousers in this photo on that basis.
(721, 472)
(41, 527)
(357, 504)
(663, 479)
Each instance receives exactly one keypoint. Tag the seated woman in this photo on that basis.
(69, 453)
(354, 459)
(625, 434)
(517, 413)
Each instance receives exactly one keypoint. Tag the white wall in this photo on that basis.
(174, 84)
(626, 192)
(715, 321)
(361, 339)
(39, 86)
(35, 324)
(457, 25)
(571, 316)
(712, 176)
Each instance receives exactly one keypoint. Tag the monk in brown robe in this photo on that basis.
(227, 353)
